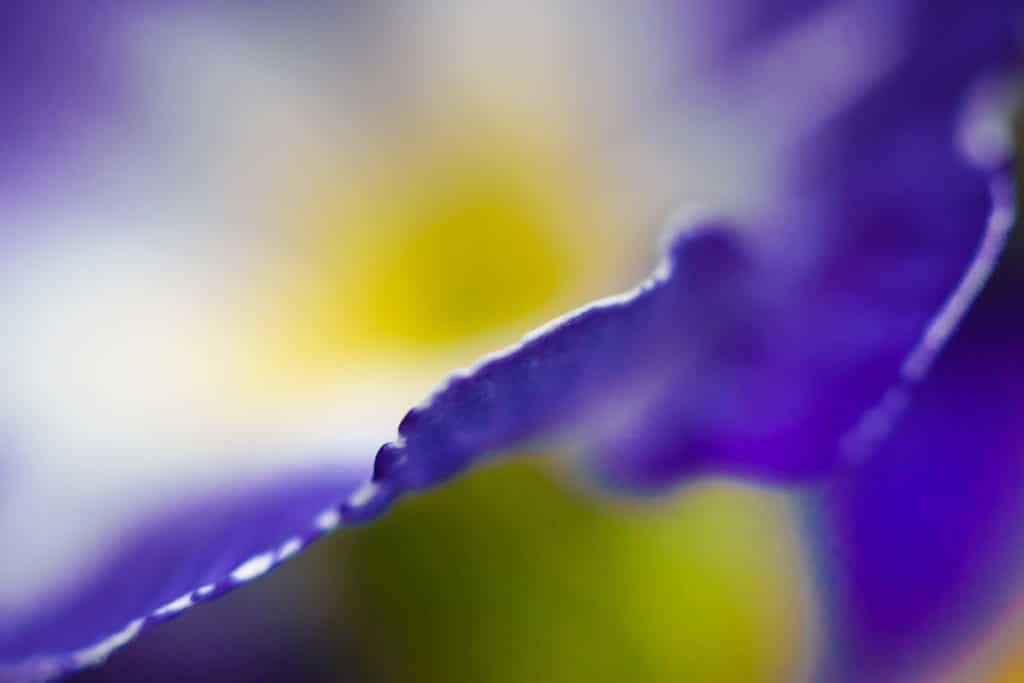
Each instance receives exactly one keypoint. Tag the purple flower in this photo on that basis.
(191, 402)
(916, 548)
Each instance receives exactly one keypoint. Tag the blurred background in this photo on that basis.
(513, 574)
(518, 571)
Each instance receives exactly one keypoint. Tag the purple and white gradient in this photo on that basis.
(847, 162)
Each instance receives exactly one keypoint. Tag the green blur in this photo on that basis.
(508, 576)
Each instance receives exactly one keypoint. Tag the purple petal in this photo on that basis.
(919, 547)
(61, 78)
(195, 552)
(889, 216)
(695, 309)
(738, 360)
(753, 353)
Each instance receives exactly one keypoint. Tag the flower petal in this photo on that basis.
(919, 547)
(727, 361)
(754, 352)
(191, 553)
(50, 70)
(889, 238)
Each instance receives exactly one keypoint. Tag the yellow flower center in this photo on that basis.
(428, 255)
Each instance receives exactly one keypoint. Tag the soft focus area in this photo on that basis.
(517, 572)
(511, 575)
(265, 234)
